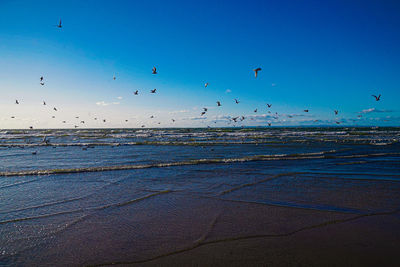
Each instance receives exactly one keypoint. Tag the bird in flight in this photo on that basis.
(269, 124)
(136, 92)
(42, 83)
(256, 71)
(237, 101)
(151, 116)
(41, 78)
(255, 110)
(44, 103)
(336, 112)
(205, 109)
(206, 85)
(203, 113)
(377, 98)
(153, 91)
(16, 102)
(235, 119)
(218, 103)
(104, 120)
(114, 78)
(306, 110)
(173, 120)
(154, 70)
(269, 105)
(59, 24)
(55, 109)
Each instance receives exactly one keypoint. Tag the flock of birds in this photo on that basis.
(153, 91)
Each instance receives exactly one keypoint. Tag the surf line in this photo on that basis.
(301, 156)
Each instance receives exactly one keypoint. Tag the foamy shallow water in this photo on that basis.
(122, 192)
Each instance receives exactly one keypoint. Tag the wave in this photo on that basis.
(299, 156)
(119, 204)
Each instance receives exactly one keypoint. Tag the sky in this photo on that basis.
(316, 55)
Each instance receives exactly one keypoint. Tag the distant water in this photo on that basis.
(53, 183)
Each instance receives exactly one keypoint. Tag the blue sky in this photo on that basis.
(316, 55)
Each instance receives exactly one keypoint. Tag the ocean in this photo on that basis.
(96, 197)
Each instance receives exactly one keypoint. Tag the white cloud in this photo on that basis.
(102, 103)
(178, 111)
(365, 111)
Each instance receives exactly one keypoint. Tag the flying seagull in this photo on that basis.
(154, 70)
(336, 112)
(136, 92)
(205, 109)
(41, 78)
(235, 119)
(16, 102)
(203, 113)
(151, 116)
(42, 83)
(44, 103)
(255, 110)
(153, 91)
(269, 105)
(377, 98)
(59, 24)
(218, 103)
(55, 109)
(237, 101)
(256, 71)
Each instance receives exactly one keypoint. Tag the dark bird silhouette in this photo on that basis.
(235, 119)
(255, 110)
(55, 109)
(44, 103)
(82, 121)
(104, 120)
(136, 92)
(77, 117)
(154, 71)
(269, 105)
(242, 118)
(202, 113)
(12, 117)
(143, 126)
(114, 78)
(41, 78)
(59, 24)
(218, 103)
(269, 124)
(53, 117)
(205, 109)
(17, 102)
(126, 120)
(256, 71)
(151, 117)
(153, 91)
(42, 83)
(76, 126)
(30, 127)
(306, 110)
(236, 101)
(63, 121)
(336, 112)
(173, 120)
(377, 98)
